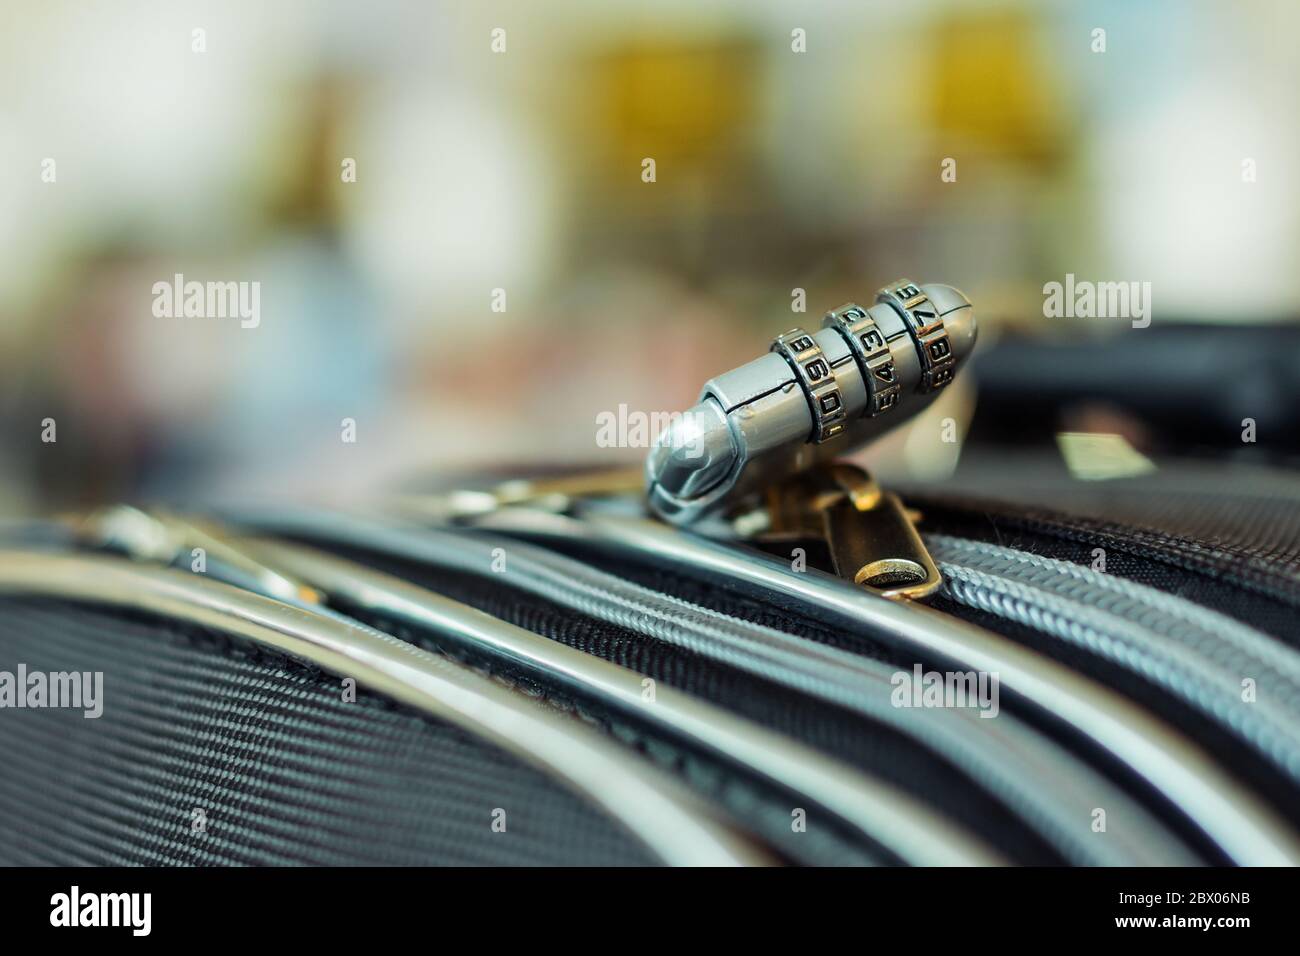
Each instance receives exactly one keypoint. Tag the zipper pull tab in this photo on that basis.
(872, 537)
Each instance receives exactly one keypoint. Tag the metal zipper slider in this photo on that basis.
(871, 536)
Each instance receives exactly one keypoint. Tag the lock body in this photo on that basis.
(814, 396)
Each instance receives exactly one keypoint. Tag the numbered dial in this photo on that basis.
(813, 370)
(925, 324)
(871, 352)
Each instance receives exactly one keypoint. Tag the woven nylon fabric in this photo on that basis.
(856, 740)
(282, 768)
(1247, 514)
(1224, 535)
(1199, 571)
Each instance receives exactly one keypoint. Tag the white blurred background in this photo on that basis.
(521, 170)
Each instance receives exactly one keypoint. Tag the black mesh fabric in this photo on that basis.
(285, 771)
(1249, 514)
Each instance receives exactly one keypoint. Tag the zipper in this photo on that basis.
(888, 817)
(1195, 654)
(315, 581)
(1043, 783)
(1198, 655)
(1232, 816)
(1008, 764)
(1241, 824)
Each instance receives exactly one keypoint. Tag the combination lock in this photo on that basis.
(814, 396)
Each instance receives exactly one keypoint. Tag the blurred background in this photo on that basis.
(500, 272)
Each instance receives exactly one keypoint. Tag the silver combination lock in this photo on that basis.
(814, 396)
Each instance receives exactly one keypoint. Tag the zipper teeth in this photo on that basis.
(1198, 655)
(1217, 633)
(1010, 761)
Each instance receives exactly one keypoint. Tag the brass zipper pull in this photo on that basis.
(872, 537)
